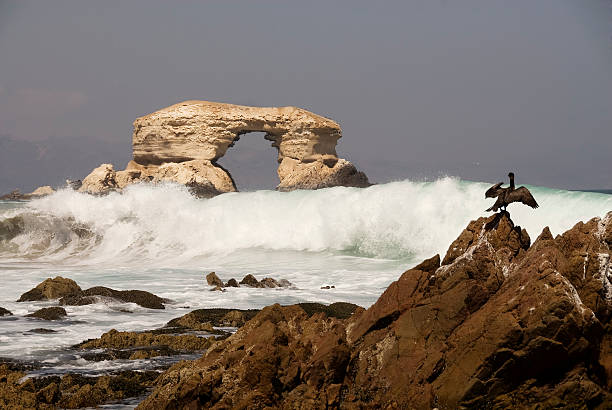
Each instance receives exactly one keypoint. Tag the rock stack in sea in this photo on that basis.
(496, 323)
(183, 142)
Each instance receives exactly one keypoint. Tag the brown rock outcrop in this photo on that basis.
(49, 313)
(498, 324)
(140, 297)
(121, 340)
(182, 143)
(52, 289)
(70, 391)
(213, 280)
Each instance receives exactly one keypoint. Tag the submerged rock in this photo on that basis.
(497, 324)
(42, 331)
(5, 312)
(140, 297)
(49, 313)
(52, 289)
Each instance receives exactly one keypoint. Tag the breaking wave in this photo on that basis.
(165, 226)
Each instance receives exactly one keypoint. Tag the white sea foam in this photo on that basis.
(165, 226)
(163, 240)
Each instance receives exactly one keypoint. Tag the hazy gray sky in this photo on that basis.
(422, 88)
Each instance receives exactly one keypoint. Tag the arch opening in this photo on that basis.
(252, 161)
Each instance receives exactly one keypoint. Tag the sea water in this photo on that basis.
(161, 239)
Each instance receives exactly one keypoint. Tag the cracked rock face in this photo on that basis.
(498, 323)
(182, 143)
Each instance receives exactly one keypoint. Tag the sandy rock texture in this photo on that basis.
(182, 143)
(496, 323)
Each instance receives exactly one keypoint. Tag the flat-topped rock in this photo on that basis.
(182, 143)
(205, 130)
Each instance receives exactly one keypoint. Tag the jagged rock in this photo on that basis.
(89, 296)
(183, 142)
(69, 391)
(49, 313)
(213, 280)
(205, 319)
(250, 280)
(122, 340)
(497, 324)
(52, 289)
(101, 180)
(270, 351)
(232, 283)
(270, 283)
(5, 312)
(295, 174)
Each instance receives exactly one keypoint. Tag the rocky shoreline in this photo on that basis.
(498, 322)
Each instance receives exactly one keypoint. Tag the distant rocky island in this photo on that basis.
(182, 143)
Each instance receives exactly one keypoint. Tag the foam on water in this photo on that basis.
(163, 240)
(165, 226)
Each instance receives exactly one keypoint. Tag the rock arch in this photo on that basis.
(183, 142)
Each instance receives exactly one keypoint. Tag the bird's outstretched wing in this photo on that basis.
(523, 195)
(494, 191)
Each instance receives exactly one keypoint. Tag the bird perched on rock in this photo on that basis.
(506, 196)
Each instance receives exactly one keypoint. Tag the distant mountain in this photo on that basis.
(26, 165)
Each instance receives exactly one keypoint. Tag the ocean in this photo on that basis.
(163, 240)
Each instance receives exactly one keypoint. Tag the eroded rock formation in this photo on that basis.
(182, 143)
(497, 324)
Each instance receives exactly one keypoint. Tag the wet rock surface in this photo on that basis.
(49, 313)
(5, 312)
(205, 319)
(52, 289)
(497, 324)
(69, 391)
(213, 280)
(71, 294)
(89, 296)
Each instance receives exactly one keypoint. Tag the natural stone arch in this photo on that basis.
(253, 161)
(183, 142)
